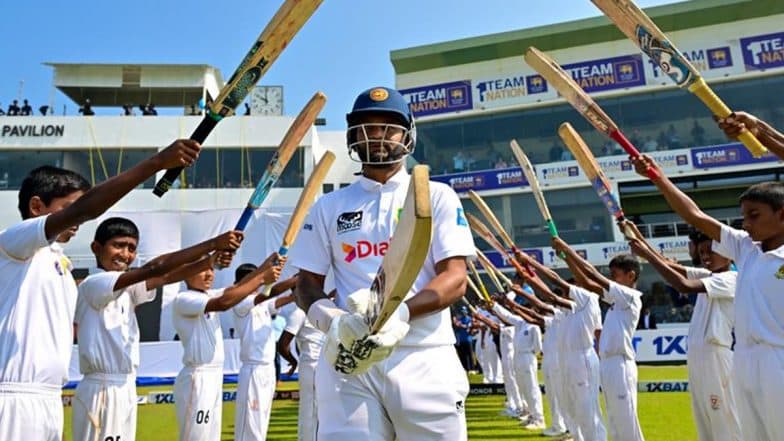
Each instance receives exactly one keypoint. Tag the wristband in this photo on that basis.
(322, 312)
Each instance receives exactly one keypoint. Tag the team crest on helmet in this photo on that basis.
(379, 94)
(780, 273)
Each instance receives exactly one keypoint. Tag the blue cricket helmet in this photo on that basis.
(381, 100)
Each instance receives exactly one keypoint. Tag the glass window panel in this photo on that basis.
(15, 164)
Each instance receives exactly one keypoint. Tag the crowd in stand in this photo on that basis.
(14, 109)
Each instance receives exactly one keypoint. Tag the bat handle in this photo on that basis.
(247, 213)
(717, 106)
(199, 135)
(282, 251)
(627, 145)
(551, 228)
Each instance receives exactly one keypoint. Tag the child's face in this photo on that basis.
(711, 261)
(621, 277)
(117, 254)
(201, 281)
(761, 221)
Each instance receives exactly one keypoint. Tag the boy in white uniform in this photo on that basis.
(491, 362)
(309, 342)
(412, 385)
(758, 251)
(515, 406)
(710, 335)
(527, 344)
(38, 293)
(256, 384)
(108, 334)
(198, 387)
(617, 359)
(551, 371)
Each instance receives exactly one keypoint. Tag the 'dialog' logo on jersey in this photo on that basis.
(780, 273)
(363, 249)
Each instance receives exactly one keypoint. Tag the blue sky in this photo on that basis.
(342, 50)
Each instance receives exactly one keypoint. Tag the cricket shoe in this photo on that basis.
(552, 431)
(534, 425)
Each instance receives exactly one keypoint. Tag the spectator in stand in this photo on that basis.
(500, 162)
(698, 134)
(647, 319)
(2, 112)
(87, 108)
(556, 152)
(44, 110)
(673, 140)
(26, 110)
(247, 109)
(636, 138)
(459, 162)
(662, 140)
(650, 144)
(128, 110)
(13, 109)
(470, 161)
(151, 109)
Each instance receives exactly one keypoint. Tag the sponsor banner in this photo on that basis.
(439, 98)
(601, 253)
(608, 73)
(663, 386)
(726, 155)
(167, 397)
(560, 172)
(484, 180)
(665, 344)
(500, 91)
(763, 51)
(703, 58)
(500, 262)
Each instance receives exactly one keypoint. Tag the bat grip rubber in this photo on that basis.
(717, 106)
(247, 213)
(199, 135)
(551, 228)
(282, 251)
(627, 146)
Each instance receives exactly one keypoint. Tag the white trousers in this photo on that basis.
(308, 416)
(255, 391)
(552, 389)
(513, 398)
(581, 395)
(418, 393)
(198, 399)
(104, 408)
(30, 412)
(525, 371)
(712, 398)
(758, 382)
(619, 385)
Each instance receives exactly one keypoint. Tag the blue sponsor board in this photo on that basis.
(763, 51)
(484, 180)
(725, 156)
(608, 73)
(719, 57)
(535, 84)
(439, 98)
(499, 89)
(499, 261)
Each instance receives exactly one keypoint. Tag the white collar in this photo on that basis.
(393, 182)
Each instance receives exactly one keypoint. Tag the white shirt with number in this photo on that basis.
(37, 303)
(199, 331)
(759, 296)
(254, 324)
(620, 322)
(309, 339)
(578, 327)
(714, 312)
(108, 333)
(349, 230)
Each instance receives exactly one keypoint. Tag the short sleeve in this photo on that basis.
(21, 241)
(270, 305)
(244, 307)
(140, 294)
(581, 296)
(190, 304)
(507, 315)
(693, 273)
(311, 251)
(451, 235)
(623, 296)
(721, 285)
(295, 321)
(732, 243)
(98, 289)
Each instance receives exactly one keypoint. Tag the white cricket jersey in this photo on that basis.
(108, 333)
(551, 329)
(200, 332)
(309, 339)
(714, 313)
(37, 303)
(348, 230)
(527, 337)
(759, 302)
(620, 321)
(254, 324)
(577, 328)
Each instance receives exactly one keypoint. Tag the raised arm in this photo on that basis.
(678, 200)
(592, 279)
(266, 273)
(542, 270)
(676, 280)
(279, 288)
(771, 138)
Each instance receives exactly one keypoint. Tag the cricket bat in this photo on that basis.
(594, 173)
(533, 182)
(482, 289)
(490, 269)
(306, 199)
(285, 24)
(487, 235)
(474, 288)
(288, 146)
(468, 305)
(580, 100)
(636, 24)
(407, 251)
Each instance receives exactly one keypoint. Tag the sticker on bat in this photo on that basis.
(665, 56)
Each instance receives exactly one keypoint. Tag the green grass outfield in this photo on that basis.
(664, 416)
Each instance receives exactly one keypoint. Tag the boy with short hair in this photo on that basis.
(108, 334)
(198, 387)
(38, 294)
